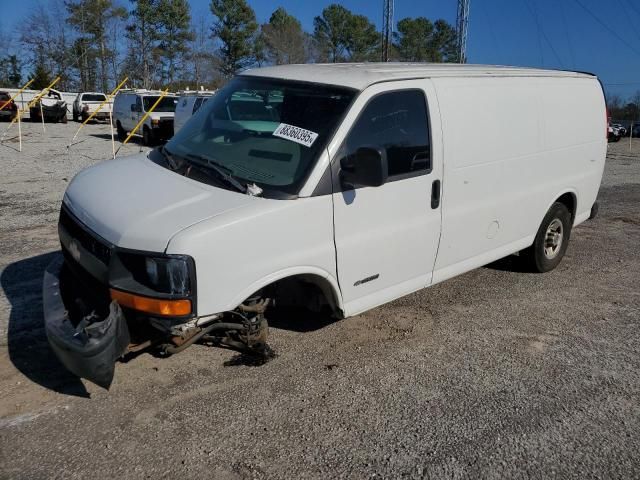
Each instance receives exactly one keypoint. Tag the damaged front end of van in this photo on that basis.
(103, 303)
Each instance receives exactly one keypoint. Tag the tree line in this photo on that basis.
(622, 110)
(92, 44)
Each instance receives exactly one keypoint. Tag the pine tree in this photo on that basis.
(174, 18)
(41, 77)
(235, 28)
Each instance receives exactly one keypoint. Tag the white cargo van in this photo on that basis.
(189, 102)
(338, 187)
(130, 106)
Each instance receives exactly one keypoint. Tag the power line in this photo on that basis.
(609, 29)
(626, 14)
(566, 31)
(497, 46)
(635, 9)
(535, 19)
(534, 13)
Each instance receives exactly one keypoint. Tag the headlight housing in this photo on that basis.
(165, 276)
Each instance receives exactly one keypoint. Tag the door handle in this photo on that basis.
(435, 194)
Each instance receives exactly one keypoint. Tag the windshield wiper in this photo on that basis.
(208, 165)
(173, 160)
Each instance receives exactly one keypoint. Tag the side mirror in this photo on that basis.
(366, 168)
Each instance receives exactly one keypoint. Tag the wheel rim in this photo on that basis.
(553, 239)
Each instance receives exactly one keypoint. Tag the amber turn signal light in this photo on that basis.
(153, 306)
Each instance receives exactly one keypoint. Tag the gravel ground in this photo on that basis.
(493, 374)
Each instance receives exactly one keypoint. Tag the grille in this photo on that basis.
(90, 243)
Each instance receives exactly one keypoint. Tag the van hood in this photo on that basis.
(134, 203)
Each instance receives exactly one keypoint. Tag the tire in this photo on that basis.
(551, 241)
(147, 136)
(121, 133)
(75, 116)
(64, 118)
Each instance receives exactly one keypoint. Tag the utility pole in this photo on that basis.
(462, 27)
(387, 28)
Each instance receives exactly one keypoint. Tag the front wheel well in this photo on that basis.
(308, 291)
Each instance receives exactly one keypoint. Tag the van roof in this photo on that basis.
(361, 75)
(204, 93)
(143, 91)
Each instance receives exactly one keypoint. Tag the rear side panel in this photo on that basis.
(512, 146)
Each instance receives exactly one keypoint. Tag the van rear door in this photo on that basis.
(387, 237)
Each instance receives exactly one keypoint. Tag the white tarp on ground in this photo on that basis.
(25, 97)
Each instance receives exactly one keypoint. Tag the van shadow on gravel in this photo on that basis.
(29, 349)
(510, 263)
(298, 319)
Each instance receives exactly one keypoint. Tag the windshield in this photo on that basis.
(93, 97)
(167, 104)
(264, 131)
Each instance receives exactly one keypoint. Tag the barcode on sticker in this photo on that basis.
(295, 134)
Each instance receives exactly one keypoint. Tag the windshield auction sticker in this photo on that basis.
(295, 134)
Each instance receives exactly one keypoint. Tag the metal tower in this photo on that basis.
(387, 28)
(462, 27)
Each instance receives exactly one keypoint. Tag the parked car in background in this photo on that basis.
(9, 107)
(612, 134)
(635, 130)
(87, 103)
(130, 106)
(54, 108)
(189, 101)
(619, 129)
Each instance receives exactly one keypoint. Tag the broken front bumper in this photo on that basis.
(90, 347)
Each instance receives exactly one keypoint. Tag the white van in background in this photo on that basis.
(189, 101)
(130, 106)
(339, 187)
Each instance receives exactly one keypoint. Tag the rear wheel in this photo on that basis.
(75, 116)
(551, 240)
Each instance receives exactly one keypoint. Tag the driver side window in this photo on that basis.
(396, 122)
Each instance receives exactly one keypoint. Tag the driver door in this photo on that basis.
(387, 237)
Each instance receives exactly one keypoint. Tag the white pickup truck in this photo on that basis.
(87, 103)
(337, 187)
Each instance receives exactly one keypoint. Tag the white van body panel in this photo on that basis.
(512, 147)
(389, 231)
(187, 102)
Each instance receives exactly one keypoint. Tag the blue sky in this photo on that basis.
(565, 35)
